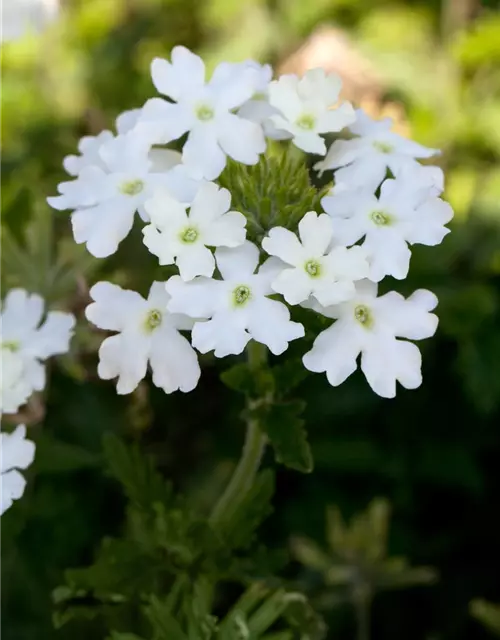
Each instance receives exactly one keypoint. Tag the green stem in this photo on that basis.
(362, 603)
(253, 449)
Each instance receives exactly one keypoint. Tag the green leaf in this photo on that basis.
(54, 456)
(116, 635)
(143, 485)
(245, 379)
(239, 531)
(289, 375)
(165, 626)
(285, 429)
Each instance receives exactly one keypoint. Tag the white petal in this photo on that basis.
(183, 78)
(198, 298)
(173, 361)
(385, 362)
(241, 139)
(427, 224)
(21, 314)
(127, 120)
(157, 244)
(336, 119)
(114, 308)
(239, 262)
(223, 334)
(334, 351)
(367, 173)
(202, 154)
(209, 203)
(13, 485)
(53, 337)
(409, 318)
(195, 260)
(161, 122)
(331, 293)
(340, 153)
(285, 245)
(165, 211)
(283, 94)
(315, 233)
(124, 356)
(228, 231)
(34, 374)
(308, 142)
(269, 323)
(233, 89)
(164, 159)
(103, 226)
(294, 285)
(388, 255)
(351, 264)
(17, 452)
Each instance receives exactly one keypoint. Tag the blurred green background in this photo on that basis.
(432, 453)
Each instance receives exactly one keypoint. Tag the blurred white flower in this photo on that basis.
(364, 160)
(105, 200)
(370, 326)
(205, 110)
(318, 269)
(406, 212)
(175, 236)
(14, 387)
(21, 17)
(16, 452)
(30, 341)
(306, 107)
(237, 307)
(146, 332)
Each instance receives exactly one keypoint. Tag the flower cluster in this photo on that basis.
(234, 286)
(26, 342)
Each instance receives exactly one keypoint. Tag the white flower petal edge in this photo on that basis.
(315, 267)
(29, 341)
(176, 237)
(306, 110)
(236, 308)
(147, 333)
(204, 110)
(364, 160)
(371, 326)
(16, 453)
(406, 212)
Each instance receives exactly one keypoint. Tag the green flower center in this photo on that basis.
(363, 315)
(153, 320)
(383, 147)
(259, 95)
(380, 218)
(306, 122)
(313, 268)
(132, 187)
(189, 235)
(241, 294)
(204, 112)
(11, 345)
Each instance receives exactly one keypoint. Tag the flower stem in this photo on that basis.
(253, 449)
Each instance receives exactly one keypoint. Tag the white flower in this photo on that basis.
(16, 453)
(105, 200)
(317, 269)
(14, 388)
(238, 307)
(205, 110)
(175, 236)
(258, 109)
(147, 332)
(306, 108)
(366, 158)
(370, 326)
(30, 340)
(405, 213)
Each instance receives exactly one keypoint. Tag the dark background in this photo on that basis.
(433, 453)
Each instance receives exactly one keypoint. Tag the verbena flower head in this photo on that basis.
(176, 236)
(237, 308)
(364, 160)
(27, 342)
(374, 327)
(328, 262)
(147, 333)
(313, 267)
(16, 453)
(306, 108)
(205, 110)
(106, 198)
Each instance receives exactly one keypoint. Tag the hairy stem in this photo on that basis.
(255, 442)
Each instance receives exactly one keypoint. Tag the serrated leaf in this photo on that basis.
(281, 423)
(245, 379)
(142, 483)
